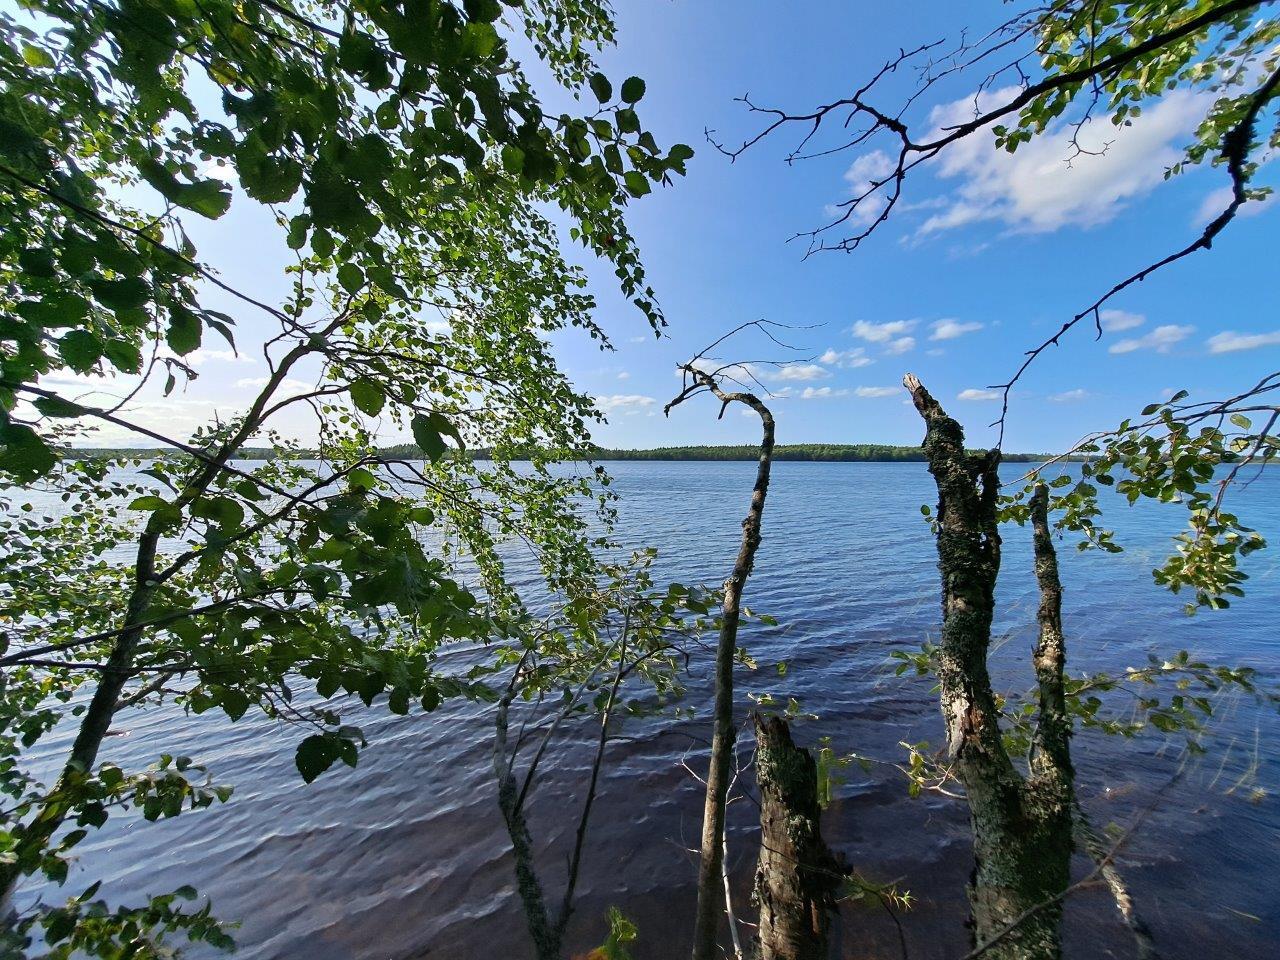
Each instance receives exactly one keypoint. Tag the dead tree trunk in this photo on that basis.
(1051, 765)
(1021, 827)
(710, 892)
(797, 877)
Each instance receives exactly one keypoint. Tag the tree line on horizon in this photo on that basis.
(798, 452)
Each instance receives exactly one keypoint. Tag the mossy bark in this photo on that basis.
(1021, 825)
(797, 877)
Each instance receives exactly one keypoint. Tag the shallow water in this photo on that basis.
(405, 857)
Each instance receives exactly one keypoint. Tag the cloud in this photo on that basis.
(1035, 189)
(901, 345)
(625, 402)
(287, 385)
(1114, 321)
(950, 329)
(799, 371)
(857, 357)
(202, 356)
(821, 393)
(624, 375)
(866, 169)
(1218, 200)
(72, 378)
(1068, 396)
(199, 357)
(872, 392)
(972, 394)
(881, 332)
(1230, 342)
(1161, 339)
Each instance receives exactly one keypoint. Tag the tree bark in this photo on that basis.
(33, 837)
(545, 934)
(710, 893)
(797, 877)
(1021, 828)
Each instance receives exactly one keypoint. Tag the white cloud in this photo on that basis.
(1035, 189)
(901, 345)
(199, 357)
(1161, 339)
(1218, 200)
(871, 392)
(972, 394)
(625, 402)
(1067, 396)
(71, 378)
(950, 329)
(202, 356)
(821, 393)
(857, 357)
(866, 169)
(1114, 321)
(881, 332)
(799, 371)
(624, 375)
(287, 385)
(638, 340)
(1229, 341)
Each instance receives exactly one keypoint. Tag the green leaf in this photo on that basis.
(209, 198)
(23, 452)
(36, 56)
(58, 407)
(184, 333)
(80, 349)
(512, 158)
(350, 277)
(429, 430)
(601, 87)
(368, 396)
(149, 502)
(632, 89)
(315, 755)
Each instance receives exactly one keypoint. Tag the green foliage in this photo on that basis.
(414, 173)
(85, 927)
(1189, 45)
(1175, 452)
(1178, 695)
(621, 931)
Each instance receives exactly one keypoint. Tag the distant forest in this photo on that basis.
(815, 452)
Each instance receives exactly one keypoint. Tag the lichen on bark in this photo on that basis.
(1022, 826)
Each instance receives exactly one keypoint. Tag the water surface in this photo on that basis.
(405, 857)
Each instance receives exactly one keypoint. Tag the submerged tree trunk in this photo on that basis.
(797, 877)
(542, 930)
(710, 891)
(1021, 827)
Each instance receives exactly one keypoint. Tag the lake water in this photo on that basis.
(406, 856)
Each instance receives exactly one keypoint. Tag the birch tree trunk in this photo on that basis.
(710, 892)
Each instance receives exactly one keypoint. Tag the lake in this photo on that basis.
(406, 857)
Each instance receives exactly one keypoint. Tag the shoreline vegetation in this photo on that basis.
(800, 452)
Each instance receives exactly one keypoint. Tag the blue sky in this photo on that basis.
(1041, 241)
(987, 257)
